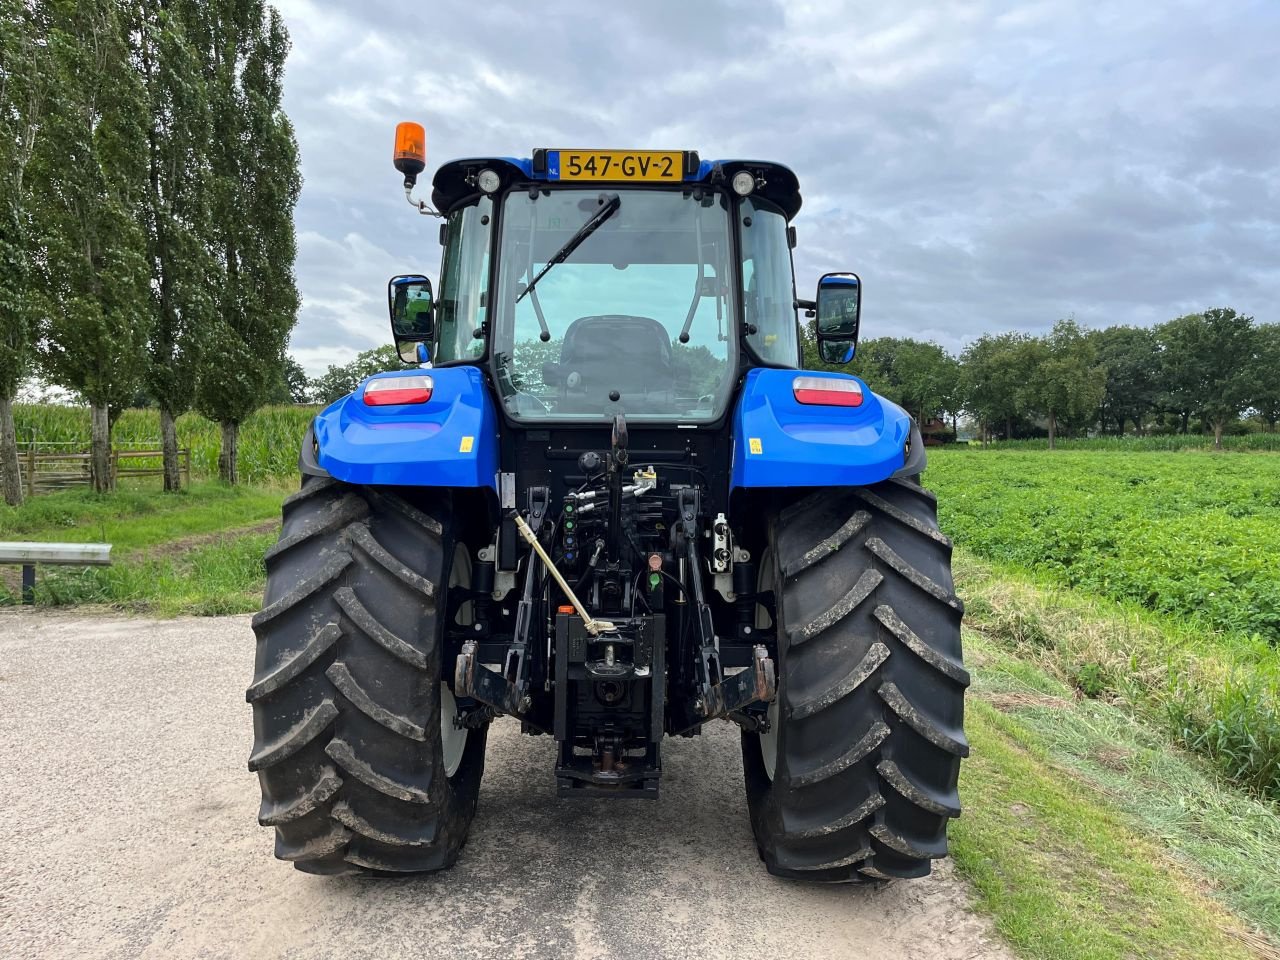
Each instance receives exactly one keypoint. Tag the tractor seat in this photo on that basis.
(616, 352)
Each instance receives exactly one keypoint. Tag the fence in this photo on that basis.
(54, 466)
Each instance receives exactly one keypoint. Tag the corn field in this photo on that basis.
(269, 438)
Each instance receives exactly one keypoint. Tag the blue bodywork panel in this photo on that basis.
(452, 439)
(778, 442)
(449, 441)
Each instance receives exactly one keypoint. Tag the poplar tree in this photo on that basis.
(89, 174)
(255, 185)
(177, 209)
(22, 95)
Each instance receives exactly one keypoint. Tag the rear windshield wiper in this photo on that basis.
(609, 206)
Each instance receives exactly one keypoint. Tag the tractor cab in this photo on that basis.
(593, 283)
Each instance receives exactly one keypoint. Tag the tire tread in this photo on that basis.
(345, 694)
(872, 684)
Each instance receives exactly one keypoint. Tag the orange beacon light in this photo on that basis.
(410, 155)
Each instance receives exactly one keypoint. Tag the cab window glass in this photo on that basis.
(768, 291)
(464, 282)
(637, 318)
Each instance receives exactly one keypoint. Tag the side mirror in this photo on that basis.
(839, 308)
(413, 351)
(412, 319)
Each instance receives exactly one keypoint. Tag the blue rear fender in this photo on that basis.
(449, 441)
(780, 442)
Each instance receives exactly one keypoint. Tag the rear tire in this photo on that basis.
(349, 745)
(857, 779)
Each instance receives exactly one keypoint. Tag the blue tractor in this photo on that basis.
(603, 498)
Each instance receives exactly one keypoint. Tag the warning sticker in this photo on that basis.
(755, 445)
(466, 445)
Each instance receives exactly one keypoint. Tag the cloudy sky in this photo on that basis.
(983, 165)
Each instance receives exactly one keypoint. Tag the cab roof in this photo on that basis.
(454, 182)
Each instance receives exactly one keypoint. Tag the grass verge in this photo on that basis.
(1063, 875)
(198, 552)
(222, 577)
(1218, 695)
(1226, 838)
(130, 519)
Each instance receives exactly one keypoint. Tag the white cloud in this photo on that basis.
(344, 306)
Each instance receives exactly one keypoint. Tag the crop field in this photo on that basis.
(268, 447)
(1196, 537)
(1159, 443)
(1188, 546)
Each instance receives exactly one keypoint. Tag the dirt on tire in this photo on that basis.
(861, 778)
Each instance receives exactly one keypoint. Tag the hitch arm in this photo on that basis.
(717, 696)
(508, 692)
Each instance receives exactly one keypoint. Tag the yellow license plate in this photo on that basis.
(651, 165)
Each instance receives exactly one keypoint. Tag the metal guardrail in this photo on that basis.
(64, 554)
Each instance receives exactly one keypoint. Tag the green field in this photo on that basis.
(1194, 537)
(268, 446)
(1186, 544)
(1159, 443)
(196, 552)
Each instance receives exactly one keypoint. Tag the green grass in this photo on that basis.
(1164, 443)
(1064, 876)
(222, 577)
(1217, 694)
(184, 553)
(268, 444)
(1225, 837)
(1193, 537)
(136, 518)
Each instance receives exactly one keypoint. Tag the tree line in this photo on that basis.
(1213, 367)
(1204, 370)
(146, 213)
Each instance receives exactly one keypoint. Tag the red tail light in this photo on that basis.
(827, 391)
(384, 391)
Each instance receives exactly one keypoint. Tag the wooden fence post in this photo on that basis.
(31, 470)
(186, 467)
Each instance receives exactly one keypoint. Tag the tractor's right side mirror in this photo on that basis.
(839, 306)
(412, 320)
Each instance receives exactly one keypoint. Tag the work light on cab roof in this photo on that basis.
(616, 508)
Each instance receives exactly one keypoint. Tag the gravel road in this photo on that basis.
(129, 831)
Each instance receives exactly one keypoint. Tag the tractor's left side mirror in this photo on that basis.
(412, 320)
(839, 307)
